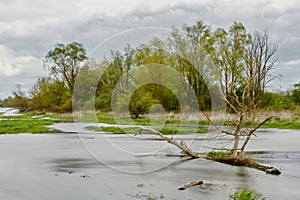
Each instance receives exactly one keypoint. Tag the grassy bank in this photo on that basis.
(36, 122)
(165, 130)
(29, 123)
(284, 120)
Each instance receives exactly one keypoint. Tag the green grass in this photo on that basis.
(164, 130)
(115, 130)
(277, 123)
(25, 126)
(282, 124)
(30, 123)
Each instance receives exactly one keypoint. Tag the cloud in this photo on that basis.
(292, 62)
(9, 70)
(29, 29)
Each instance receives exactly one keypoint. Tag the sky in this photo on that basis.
(30, 28)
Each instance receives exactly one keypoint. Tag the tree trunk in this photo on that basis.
(248, 162)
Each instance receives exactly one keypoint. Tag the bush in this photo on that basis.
(246, 194)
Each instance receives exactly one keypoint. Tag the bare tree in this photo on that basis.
(260, 61)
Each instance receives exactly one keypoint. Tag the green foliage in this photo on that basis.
(7, 102)
(276, 101)
(246, 194)
(64, 62)
(201, 56)
(50, 96)
(140, 103)
(218, 153)
(296, 94)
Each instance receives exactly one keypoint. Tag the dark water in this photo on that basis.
(97, 166)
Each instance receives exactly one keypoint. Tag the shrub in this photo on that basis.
(246, 194)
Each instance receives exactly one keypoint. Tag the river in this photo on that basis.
(91, 166)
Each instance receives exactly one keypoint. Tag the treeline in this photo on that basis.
(233, 59)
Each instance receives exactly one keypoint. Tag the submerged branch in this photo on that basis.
(251, 132)
(192, 184)
(180, 145)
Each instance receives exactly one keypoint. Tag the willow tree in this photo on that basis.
(192, 59)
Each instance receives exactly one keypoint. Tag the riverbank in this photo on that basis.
(15, 122)
(30, 122)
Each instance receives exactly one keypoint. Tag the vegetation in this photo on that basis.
(190, 70)
(171, 130)
(218, 154)
(30, 123)
(246, 194)
(25, 126)
(238, 60)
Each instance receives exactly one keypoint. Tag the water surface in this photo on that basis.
(103, 166)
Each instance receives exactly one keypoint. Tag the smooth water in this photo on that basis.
(105, 166)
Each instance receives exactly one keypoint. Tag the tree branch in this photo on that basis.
(181, 145)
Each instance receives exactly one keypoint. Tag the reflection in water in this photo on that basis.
(275, 156)
(71, 165)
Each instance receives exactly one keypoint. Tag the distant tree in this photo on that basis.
(49, 95)
(296, 94)
(192, 59)
(20, 100)
(7, 102)
(65, 61)
(260, 61)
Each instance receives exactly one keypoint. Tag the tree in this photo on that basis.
(187, 54)
(260, 61)
(64, 62)
(227, 51)
(20, 100)
(49, 95)
(296, 94)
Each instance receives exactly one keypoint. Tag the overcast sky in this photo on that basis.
(30, 28)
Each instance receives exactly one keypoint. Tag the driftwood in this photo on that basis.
(192, 184)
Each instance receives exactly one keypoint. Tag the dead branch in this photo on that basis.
(251, 132)
(226, 132)
(192, 184)
(180, 145)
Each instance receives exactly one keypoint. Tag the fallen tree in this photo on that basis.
(227, 159)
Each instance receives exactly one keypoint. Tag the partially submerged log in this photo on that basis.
(232, 160)
(248, 162)
(192, 184)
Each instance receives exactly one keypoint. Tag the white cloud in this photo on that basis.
(10, 70)
(292, 62)
(29, 29)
